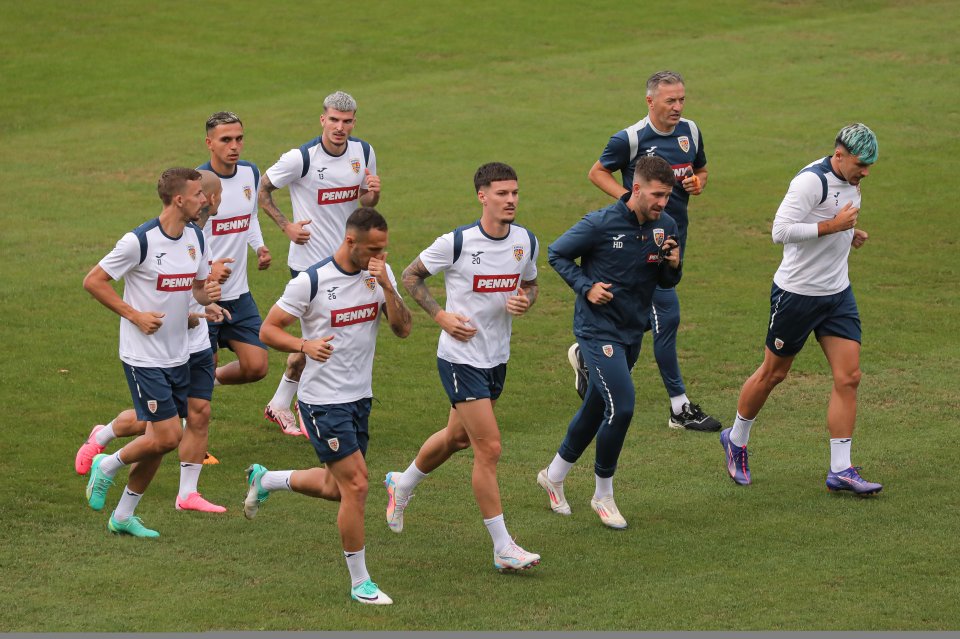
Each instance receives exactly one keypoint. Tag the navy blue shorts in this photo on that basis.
(202, 372)
(465, 383)
(337, 430)
(243, 325)
(158, 393)
(793, 317)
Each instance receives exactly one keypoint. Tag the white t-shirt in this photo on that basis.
(235, 226)
(813, 265)
(158, 274)
(323, 189)
(347, 306)
(481, 273)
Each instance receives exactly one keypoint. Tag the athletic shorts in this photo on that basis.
(793, 317)
(337, 430)
(158, 393)
(465, 383)
(202, 372)
(243, 325)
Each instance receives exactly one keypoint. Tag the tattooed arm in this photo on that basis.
(294, 230)
(455, 324)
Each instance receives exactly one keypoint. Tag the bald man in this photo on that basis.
(193, 445)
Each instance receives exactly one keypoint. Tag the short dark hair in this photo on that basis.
(172, 182)
(222, 117)
(493, 172)
(662, 77)
(652, 167)
(366, 218)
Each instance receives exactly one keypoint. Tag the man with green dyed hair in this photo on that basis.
(811, 294)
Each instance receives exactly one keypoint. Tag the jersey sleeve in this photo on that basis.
(372, 165)
(700, 160)
(124, 257)
(287, 169)
(254, 233)
(616, 155)
(576, 242)
(801, 198)
(203, 268)
(530, 270)
(439, 255)
(296, 296)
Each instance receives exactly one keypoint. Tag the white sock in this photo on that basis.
(357, 565)
(840, 454)
(558, 469)
(105, 435)
(604, 487)
(110, 464)
(189, 476)
(676, 403)
(276, 480)
(285, 392)
(740, 433)
(408, 479)
(216, 381)
(498, 532)
(128, 503)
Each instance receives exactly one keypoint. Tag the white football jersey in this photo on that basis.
(323, 189)
(199, 336)
(481, 273)
(158, 274)
(814, 265)
(347, 306)
(236, 225)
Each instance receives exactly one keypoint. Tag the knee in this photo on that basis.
(487, 452)
(254, 371)
(356, 487)
(848, 379)
(770, 377)
(458, 441)
(166, 440)
(199, 419)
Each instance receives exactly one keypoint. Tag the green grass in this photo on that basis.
(96, 100)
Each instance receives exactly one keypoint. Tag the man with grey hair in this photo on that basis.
(811, 293)
(327, 177)
(663, 133)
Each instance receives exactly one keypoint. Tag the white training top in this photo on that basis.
(813, 265)
(235, 226)
(481, 273)
(323, 189)
(158, 274)
(348, 306)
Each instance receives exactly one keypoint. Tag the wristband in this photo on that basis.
(302, 342)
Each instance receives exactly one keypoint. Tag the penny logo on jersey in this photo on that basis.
(680, 170)
(233, 225)
(337, 195)
(354, 315)
(495, 283)
(171, 283)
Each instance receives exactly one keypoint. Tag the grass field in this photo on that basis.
(96, 99)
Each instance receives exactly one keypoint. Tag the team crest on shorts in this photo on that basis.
(517, 252)
(371, 283)
(608, 350)
(334, 444)
(355, 165)
(658, 236)
(778, 343)
(247, 192)
(192, 251)
(684, 143)
(152, 405)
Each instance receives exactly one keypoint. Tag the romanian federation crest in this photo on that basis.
(684, 143)
(658, 236)
(152, 405)
(608, 350)
(247, 192)
(355, 165)
(192, 251)
(371, 283)
(778, 343)
(334, 444)
(517, 252)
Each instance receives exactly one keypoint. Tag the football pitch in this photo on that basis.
(96, 99)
